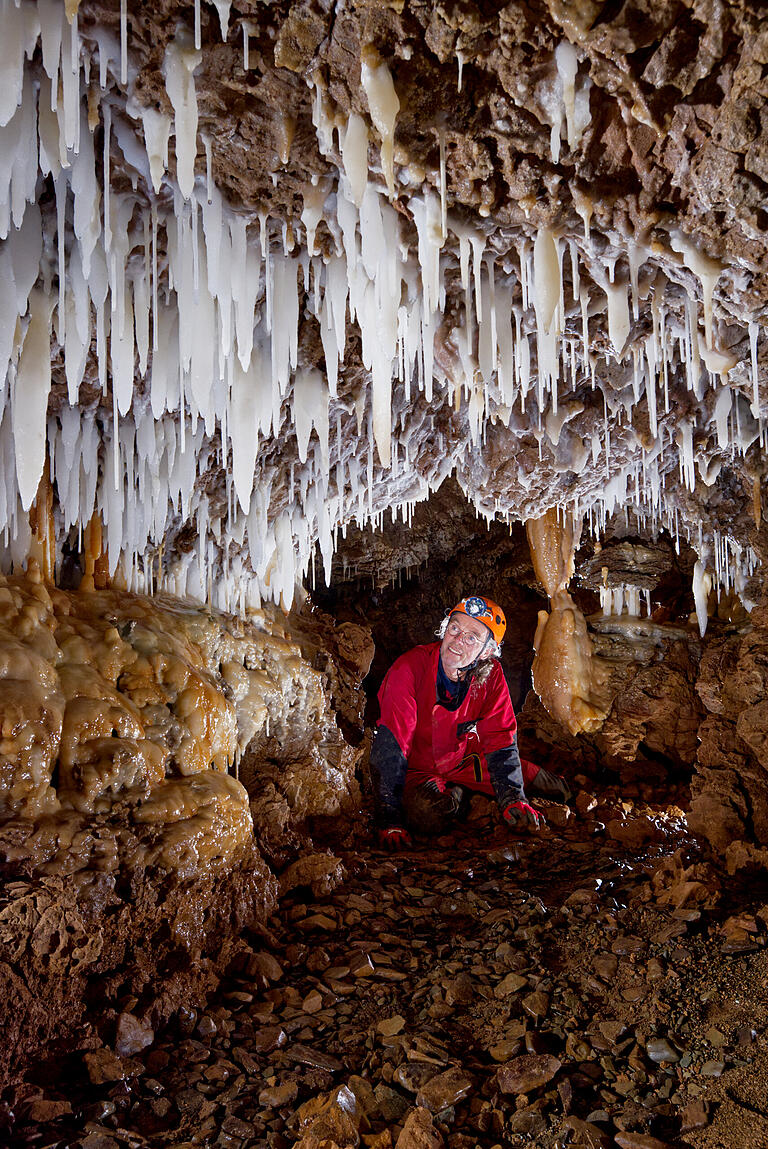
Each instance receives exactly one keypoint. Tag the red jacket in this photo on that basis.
(433, 739)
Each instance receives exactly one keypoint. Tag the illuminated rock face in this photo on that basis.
(123, 828)
(125, 718)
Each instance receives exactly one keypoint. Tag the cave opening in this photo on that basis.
(401, 581)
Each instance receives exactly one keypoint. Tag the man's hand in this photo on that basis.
(521, 816)
(394, 838)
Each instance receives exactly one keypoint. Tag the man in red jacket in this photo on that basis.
(446, 726)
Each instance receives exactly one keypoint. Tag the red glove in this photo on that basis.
(519, 815)
(394, 838)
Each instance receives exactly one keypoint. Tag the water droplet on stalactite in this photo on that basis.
(223, 8)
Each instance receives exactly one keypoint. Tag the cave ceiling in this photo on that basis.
(299, 263)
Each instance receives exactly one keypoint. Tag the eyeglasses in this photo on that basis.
(469, 639)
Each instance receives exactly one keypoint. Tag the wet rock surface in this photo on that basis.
(133, 860)
(479, 991)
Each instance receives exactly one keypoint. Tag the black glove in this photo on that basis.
(388, 767)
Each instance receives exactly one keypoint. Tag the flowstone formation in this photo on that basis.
(153, 753)
(566, 675)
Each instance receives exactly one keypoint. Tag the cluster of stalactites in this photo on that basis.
(202, 307)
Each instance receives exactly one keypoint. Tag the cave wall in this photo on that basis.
(165, 769)
(95, 959)
(730, 803)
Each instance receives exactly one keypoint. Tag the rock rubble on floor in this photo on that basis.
(564, 992)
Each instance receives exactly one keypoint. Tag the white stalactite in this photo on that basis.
(223, 303)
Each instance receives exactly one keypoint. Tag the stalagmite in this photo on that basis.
(95, 568)
(43, 543)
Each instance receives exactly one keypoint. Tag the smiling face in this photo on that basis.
(464, 640)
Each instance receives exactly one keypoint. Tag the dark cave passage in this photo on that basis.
(401, 581)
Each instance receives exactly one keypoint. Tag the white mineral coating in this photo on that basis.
(180, 62)
(354, 154)
(383, 104)
(702, 585)
(157, 129)
(208, 302)
(30, 397)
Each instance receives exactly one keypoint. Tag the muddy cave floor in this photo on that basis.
(559, 989)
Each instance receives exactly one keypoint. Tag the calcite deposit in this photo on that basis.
(566, 676)
(161, 763)
(120, 705)
(294, 271)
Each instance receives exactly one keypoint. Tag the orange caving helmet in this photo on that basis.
(485, 610)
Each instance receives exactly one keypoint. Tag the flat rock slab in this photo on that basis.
(639, 1141)
(419, 1132)
(306, 1056)
(528, 1072)
(445, 1089)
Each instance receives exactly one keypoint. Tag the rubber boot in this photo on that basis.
(545, 784)
(431, 812)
